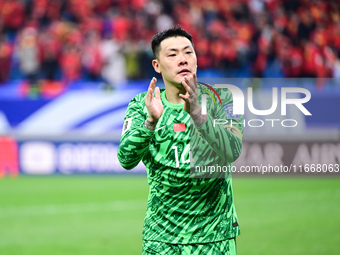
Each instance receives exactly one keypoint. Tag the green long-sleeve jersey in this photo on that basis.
(182, 208)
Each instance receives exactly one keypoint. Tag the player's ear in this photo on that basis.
(155, 65)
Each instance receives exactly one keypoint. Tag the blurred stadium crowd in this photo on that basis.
(109, 40)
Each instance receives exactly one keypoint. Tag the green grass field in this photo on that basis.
(104, 215)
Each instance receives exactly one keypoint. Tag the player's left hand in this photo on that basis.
(191, 104)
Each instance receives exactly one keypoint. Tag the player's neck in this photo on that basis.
(172, 94)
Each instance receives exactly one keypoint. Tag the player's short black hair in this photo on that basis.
(171, 32)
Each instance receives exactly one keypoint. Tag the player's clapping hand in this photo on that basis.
(153, 101)
(190, 97)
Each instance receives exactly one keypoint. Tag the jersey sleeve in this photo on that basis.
(135, 137)
(223, 131)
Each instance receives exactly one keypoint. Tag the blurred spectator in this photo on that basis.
(5, 58)
(131, 55)
(291, 59)
(12, 14)
(92, 59)
(28, 52)
(312, 62)
(306, 24)
(70, 63)
(114, 67)
(50, 50)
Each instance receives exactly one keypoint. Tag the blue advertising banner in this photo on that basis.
(47, 157)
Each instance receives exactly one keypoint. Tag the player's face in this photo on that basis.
(177, 58)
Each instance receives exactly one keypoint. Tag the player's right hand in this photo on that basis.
(153, 101)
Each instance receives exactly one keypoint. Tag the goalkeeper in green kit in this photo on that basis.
(167, 129)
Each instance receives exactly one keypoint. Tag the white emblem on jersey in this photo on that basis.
(127, 125)
(159, 128)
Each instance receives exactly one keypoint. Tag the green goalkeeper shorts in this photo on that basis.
(225, 247)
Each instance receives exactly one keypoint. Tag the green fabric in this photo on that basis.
(225, 247)
(182, 209)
